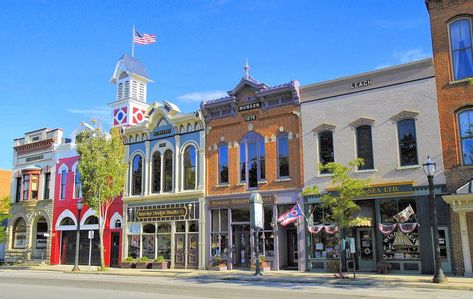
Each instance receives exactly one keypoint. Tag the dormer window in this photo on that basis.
(461, 48)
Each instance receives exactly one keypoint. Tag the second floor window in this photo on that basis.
(407, 142)
(461, 48)
(137, 175)
(326, 153)
(167, 171)
(63, 184)
(18, 190)
(47, 182)
(34, 186)
(189, 168)
(465, 124)
(156, 172)
(252, 159)
(26, 186)
(223, 164)
(364, 146)
(77, 186)
(283, 156)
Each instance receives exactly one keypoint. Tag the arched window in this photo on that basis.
(189, 128)
(19, 234)
(364, 146)
(461, 48)
(181, 130)
(137, 174)
(63, 184)
(156, 172)
(326, 152)
(252, 159)
(189, 168)
(77, 185)
(406, 130)
(465, 125)
(283, 156)
(223, 164)
(118, 223)
(167, 171)
(91, 220)
(67, 221)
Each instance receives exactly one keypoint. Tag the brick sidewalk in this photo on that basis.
(362, 279)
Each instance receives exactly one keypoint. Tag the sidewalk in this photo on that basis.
(362, 279)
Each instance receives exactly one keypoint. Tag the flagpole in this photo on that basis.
(133, 42)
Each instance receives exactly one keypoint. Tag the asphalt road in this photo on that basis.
(35, 284)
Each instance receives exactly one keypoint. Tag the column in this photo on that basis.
(173, 244)
(274, 221)
(186, 245)
(201, 162)
(203, 216)
(301, 238)
(208, 237)
(230, 239)
(162, 174)
(147, 175)
(465, 244)
(177, 165)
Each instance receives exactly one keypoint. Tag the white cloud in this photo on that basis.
(198, 96)
(401, 57)
(93, 111)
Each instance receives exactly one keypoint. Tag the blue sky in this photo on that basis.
(57, 56)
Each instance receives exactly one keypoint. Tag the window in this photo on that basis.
(167, 171)
(465, 124)
(92, 220)
(189, 168)
(18, 190)
(407, 142)
(364, 146)
(223, 164)
(67, 221)
(34, 186)
(77, 186)
(19, 234)
(156, 172)
(283, 156)
(461, 48)
(326, 154)
(137, 174)
(47, 181)
(26, 186)
(252, 159)
(63, 184)
(41, 230)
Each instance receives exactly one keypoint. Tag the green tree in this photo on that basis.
(102, 170)
(4, 210)
(340, 205)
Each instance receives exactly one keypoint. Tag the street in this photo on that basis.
(43, 284)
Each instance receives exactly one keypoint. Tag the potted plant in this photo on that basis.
(129, 262)
(383, 267)
(264, 264)
(144, 263)
(217, 264)
(160, 263)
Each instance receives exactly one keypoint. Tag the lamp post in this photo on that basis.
(429, 169)
(79, 205)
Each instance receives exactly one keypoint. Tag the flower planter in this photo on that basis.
(218, 268)
(128, 265)
(161, 265)
(264, 267)
(143, 265)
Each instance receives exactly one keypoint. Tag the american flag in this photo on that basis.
(144, 38)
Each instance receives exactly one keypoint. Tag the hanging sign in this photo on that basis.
(256, 211)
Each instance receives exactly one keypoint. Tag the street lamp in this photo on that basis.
(429, 169)
(79, 205)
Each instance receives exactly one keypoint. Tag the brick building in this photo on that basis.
(5, 179)
(253, 143)
(451, 27)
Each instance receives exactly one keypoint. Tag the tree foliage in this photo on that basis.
(4, 210)
(102, 170)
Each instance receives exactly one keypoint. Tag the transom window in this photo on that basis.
(326, 153)
(223, 164)
(465, 124)
(364, 146)
(407, 142)
(461, 48)
(137, 174)
(252, 159)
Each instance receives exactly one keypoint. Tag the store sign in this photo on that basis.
(361, 84)
(250, 117)
(162, 132)
(161, 213)
(251, 106)
(268, 199)
(383, 189)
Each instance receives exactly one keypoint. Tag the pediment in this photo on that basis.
(244, 83)
(362, 121)
(323, 127)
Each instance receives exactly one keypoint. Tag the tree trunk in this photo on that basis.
(340, 250)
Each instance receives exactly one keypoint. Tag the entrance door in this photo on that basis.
(180, 251)
(115, 250)
(193, 257)
(293, 253)
(241, 245)
(366, 255)
(444, 242)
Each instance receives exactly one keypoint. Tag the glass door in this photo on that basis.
(366, 255)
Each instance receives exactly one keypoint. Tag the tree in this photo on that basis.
(4, 210)
(102, 170)
(340, 205)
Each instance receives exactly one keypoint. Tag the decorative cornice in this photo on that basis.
(323, 127)
(34, 146)
(362, 122)
(404, 114)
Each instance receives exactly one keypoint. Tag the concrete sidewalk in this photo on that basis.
(362, 279)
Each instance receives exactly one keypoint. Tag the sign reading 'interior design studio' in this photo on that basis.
(161, 212)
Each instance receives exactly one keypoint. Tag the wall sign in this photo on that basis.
(161, 213)
(162, 132)
(384, 189)
(251, 106)
(34, 158)
(250, 117)
(361, 83)
(268, 199)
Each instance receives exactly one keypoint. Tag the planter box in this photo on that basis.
(161, 266)
(128, 265)
(218, 268)
(264, 266)
(144, 265)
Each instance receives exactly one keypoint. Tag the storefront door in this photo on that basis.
(293, 257)
(444, 242)
(115, 250)
(180, 251)
(193, 258)
(241, 245)
(365, 251)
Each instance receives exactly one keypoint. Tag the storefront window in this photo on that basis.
(399, 227)
(149, 240)
(134, 246)
(219, 233)
(323, 245)
(19, 234)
